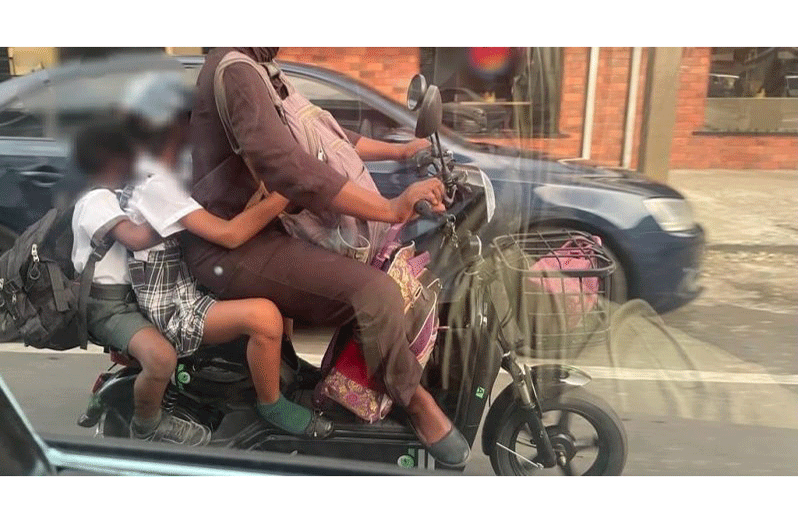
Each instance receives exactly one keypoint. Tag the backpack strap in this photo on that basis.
(267, 71)
(220, 96)
(101, 244)
(59, 288)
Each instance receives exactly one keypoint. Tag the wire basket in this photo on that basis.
(558, 287)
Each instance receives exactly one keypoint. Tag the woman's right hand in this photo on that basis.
(430, 189)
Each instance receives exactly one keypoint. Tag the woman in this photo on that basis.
(306, 282)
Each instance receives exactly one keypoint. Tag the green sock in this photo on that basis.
(285, 414)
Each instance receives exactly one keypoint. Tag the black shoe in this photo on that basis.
(319, 427)
(452, 450)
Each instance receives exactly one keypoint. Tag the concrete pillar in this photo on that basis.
(659, 112)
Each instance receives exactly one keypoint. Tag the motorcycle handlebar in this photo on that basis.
(424, 209)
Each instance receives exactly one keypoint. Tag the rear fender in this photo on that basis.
(550, 380)
(116, 390)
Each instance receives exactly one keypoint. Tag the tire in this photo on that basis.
(619, 285)
(609, 441)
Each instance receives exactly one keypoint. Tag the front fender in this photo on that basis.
(550, 380)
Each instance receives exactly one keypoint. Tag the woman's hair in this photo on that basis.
(99, 143)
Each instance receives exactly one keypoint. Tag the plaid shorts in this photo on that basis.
(168, 295)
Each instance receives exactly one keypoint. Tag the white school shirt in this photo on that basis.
(98, 210)
(159, 199)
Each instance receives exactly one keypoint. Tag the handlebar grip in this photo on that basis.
(424, 209)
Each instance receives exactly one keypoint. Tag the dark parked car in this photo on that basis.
(648, 227)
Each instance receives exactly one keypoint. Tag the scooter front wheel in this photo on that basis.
(585, 433)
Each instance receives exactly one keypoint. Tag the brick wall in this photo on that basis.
(609, 117)
(696, 151)
(387, 69)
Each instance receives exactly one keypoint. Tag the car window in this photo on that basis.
(28, 115)
(79, 101)
(350, 111)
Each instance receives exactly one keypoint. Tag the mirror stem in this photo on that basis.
(436, 140)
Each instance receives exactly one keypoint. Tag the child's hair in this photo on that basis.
(99, 143)
(152, 139)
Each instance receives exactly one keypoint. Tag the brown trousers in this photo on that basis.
(319, 287)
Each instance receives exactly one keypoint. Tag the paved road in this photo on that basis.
(679, 422)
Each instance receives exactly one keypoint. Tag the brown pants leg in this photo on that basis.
(319, 287)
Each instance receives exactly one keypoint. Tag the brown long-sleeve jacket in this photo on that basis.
(221, 182)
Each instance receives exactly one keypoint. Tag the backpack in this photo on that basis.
(347, 381)
(317, 132)
(42, 298)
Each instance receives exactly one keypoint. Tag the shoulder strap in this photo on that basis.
(100, 248)
(220, 94)
(220, 97)
(86, 277)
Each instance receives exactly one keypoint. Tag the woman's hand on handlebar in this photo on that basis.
(430, 189)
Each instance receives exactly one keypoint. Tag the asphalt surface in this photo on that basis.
(717, 396)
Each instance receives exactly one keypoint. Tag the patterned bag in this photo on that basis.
(347, 381)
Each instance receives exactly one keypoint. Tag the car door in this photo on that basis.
(31, 160)
(354, 114)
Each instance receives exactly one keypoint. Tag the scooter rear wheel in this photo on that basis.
(585, 433)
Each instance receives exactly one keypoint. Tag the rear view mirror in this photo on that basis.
(430, 114)
(415, 92)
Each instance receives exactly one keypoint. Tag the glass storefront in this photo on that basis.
(753, 89)
(497, 91)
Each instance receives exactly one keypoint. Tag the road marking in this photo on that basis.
(625, 374)
(598, 373)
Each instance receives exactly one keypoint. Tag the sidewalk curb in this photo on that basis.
(748, 247)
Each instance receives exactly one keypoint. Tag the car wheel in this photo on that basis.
(619, 288)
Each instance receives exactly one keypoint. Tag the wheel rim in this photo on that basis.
(574, 438)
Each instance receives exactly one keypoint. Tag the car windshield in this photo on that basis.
(554, 280)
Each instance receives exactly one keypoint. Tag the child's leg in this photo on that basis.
(158, 361)
(262, 322)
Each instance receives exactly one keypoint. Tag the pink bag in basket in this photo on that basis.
(575, 296)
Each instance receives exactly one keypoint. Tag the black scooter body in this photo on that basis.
(213, 387)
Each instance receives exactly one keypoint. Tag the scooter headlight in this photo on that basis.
(490, 197)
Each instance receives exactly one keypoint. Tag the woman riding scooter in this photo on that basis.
(306, 282)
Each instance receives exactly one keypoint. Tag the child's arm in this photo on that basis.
(135, 237)
(234, 232)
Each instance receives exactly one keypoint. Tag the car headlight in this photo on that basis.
(671, 214)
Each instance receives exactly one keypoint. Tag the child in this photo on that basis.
(104, 153)
(157, 108)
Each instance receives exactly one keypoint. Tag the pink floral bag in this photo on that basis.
(347, 382)
(574, 296)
